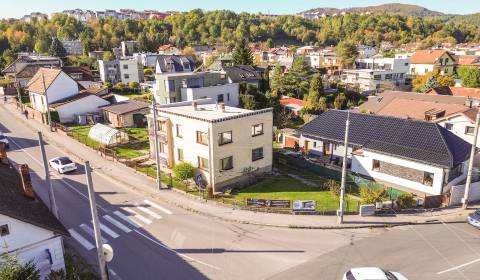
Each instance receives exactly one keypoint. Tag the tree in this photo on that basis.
(242, 55)
(183, 171)
(107, 56)
(470, 76)
(42, 44)
(57, 49)
(147, 72)
(405, 201)
(315, 102)
(269, 43)
(277, 80)
(340, 101)
(120, 86)
(11, 269)
(447, 81)
(133, 85)
(265, 83)
(347, 52)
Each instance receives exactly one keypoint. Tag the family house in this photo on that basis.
(123, 70)
(128, 113)
(28, 230)
(426, 61)
(174, 63)
(418, 156)
(224, 143)
(26, 65)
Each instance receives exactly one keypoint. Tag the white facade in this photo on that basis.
(62, 87)
(461, 126)
(368, 80)
(32, 243)
(314, 60)
(366, 51)
(227, 94)
(73, 47)
(147, 59)
(123, 70)
(129, 70)
(421, 69)
(81, 106)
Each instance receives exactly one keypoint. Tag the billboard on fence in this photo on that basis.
(269, 203)
(304, 205)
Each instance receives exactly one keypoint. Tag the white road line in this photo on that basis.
(182, 255)
(90, 232)
(108, 231)
(54, 174)
(113, 273)
(117, 223)
(137, 216)
(126, 219)
(154, 205)
(149, 212)
(84, 242)
(459, 266)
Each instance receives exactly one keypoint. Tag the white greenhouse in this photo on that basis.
(106, 135)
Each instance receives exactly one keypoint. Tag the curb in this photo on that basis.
(150, 193)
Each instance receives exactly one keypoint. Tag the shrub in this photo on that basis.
(405, 201)
(148, 72)
(333, 186)
(108, 85)
(120, 86)
(370, 195)
(133, 85)
(183, 171)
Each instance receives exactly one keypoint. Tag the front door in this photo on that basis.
(326, 149)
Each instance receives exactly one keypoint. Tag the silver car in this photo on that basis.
(474, 218)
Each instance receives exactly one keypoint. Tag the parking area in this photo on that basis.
(433, 252)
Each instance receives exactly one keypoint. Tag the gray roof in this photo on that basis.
(404, 138)
(126, 106)
(179, 63)
(243, 73)
(14, 204)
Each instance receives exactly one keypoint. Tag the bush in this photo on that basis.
(333, 186)
(147, 72)
(108, 85)
(120, 86)
(405, 201)
(133, 85)
(370, 195)
(183, 171)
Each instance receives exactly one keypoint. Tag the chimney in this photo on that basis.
(3, 153)
(221, 107)
(26, 181)
(194, 105)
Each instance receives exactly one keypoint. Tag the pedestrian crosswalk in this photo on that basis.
(121, 221)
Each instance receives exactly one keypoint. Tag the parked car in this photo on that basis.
(4, 139)
(372, 273)
(62, 164)
(474, 218)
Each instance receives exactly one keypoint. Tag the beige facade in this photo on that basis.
(123, 120)
(445, 65)
(224, 145)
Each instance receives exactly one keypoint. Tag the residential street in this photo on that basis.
(152, 238)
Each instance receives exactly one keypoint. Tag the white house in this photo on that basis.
(227, 94)
(461, 124)
(427, 61)
(123, 70)
(224, 143)
(366, 51)
(418, 156)
(80, 104)
(28, 230)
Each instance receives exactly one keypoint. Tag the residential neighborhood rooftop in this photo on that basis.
(126, 106)
(416, 109)
(426, 56)
(43, 79)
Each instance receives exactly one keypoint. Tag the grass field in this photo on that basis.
(139, 145)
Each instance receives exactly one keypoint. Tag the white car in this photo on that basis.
(4, 139)
(372, 273)
(62, 164)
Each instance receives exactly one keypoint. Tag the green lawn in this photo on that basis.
(138, 146)
(140, 96)
(80, 133)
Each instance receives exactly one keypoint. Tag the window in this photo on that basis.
(126, 76)
(388, 76)
(4, 230)
(180, 154)
(202, 138)
(376, 165)
(377, 77)
(257, 154)
(202, 163)
(162, 126)
(163, 147)
(449, 126)
(225, 138)
(469, 130)
(179, 131)
(228, 96)
(170, 85)
(427, 178)
(257, 129)
(406, 64)
(220, 98)
(445, 70)
(125, 66)
(226, 163)
(413, 70)
(441, 61)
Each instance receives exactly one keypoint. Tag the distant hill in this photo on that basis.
(469, 19)
(393, 8)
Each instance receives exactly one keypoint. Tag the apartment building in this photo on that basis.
(130, 47)
(224, 143)
(72, 47)
(123, 70)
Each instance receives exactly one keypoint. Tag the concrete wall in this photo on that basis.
(61, 88)
(30, 243)
(457, 192)
(82, 106)
(230, 93)
(132, 71)
(460, 123)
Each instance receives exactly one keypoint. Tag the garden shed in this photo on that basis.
(107, 136)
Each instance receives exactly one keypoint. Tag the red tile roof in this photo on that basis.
(291, 101)
(455, 91)
(426, 56)
(467, 59)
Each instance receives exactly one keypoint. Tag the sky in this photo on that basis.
(11, 10)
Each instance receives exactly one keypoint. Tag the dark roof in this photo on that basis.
(14, 204)
(124, 107)
(242, 73)
(83, 70)
(69, 99)
(28, 72)
(404, 138)
(179, 63)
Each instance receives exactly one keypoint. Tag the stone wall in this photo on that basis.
(401, 172)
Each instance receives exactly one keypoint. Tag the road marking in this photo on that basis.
(84, 242)
(113, 273)
(54, 174)
(459, 266)
(108, 231)
(154, 205)
(182, 255)
(126, 219)
(90, 232)
(117, 223)
(137, 216)
(149, 212)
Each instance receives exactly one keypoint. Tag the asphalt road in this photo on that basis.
(430, 252)
(154, 240)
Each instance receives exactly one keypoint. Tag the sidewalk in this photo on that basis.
(147, 186)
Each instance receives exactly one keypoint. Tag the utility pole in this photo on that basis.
(344, 171)
(49, 117)
(156, 146)
(17, 86)
(51, 194)
(210, 163)
(96, 225)
(470, 163)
